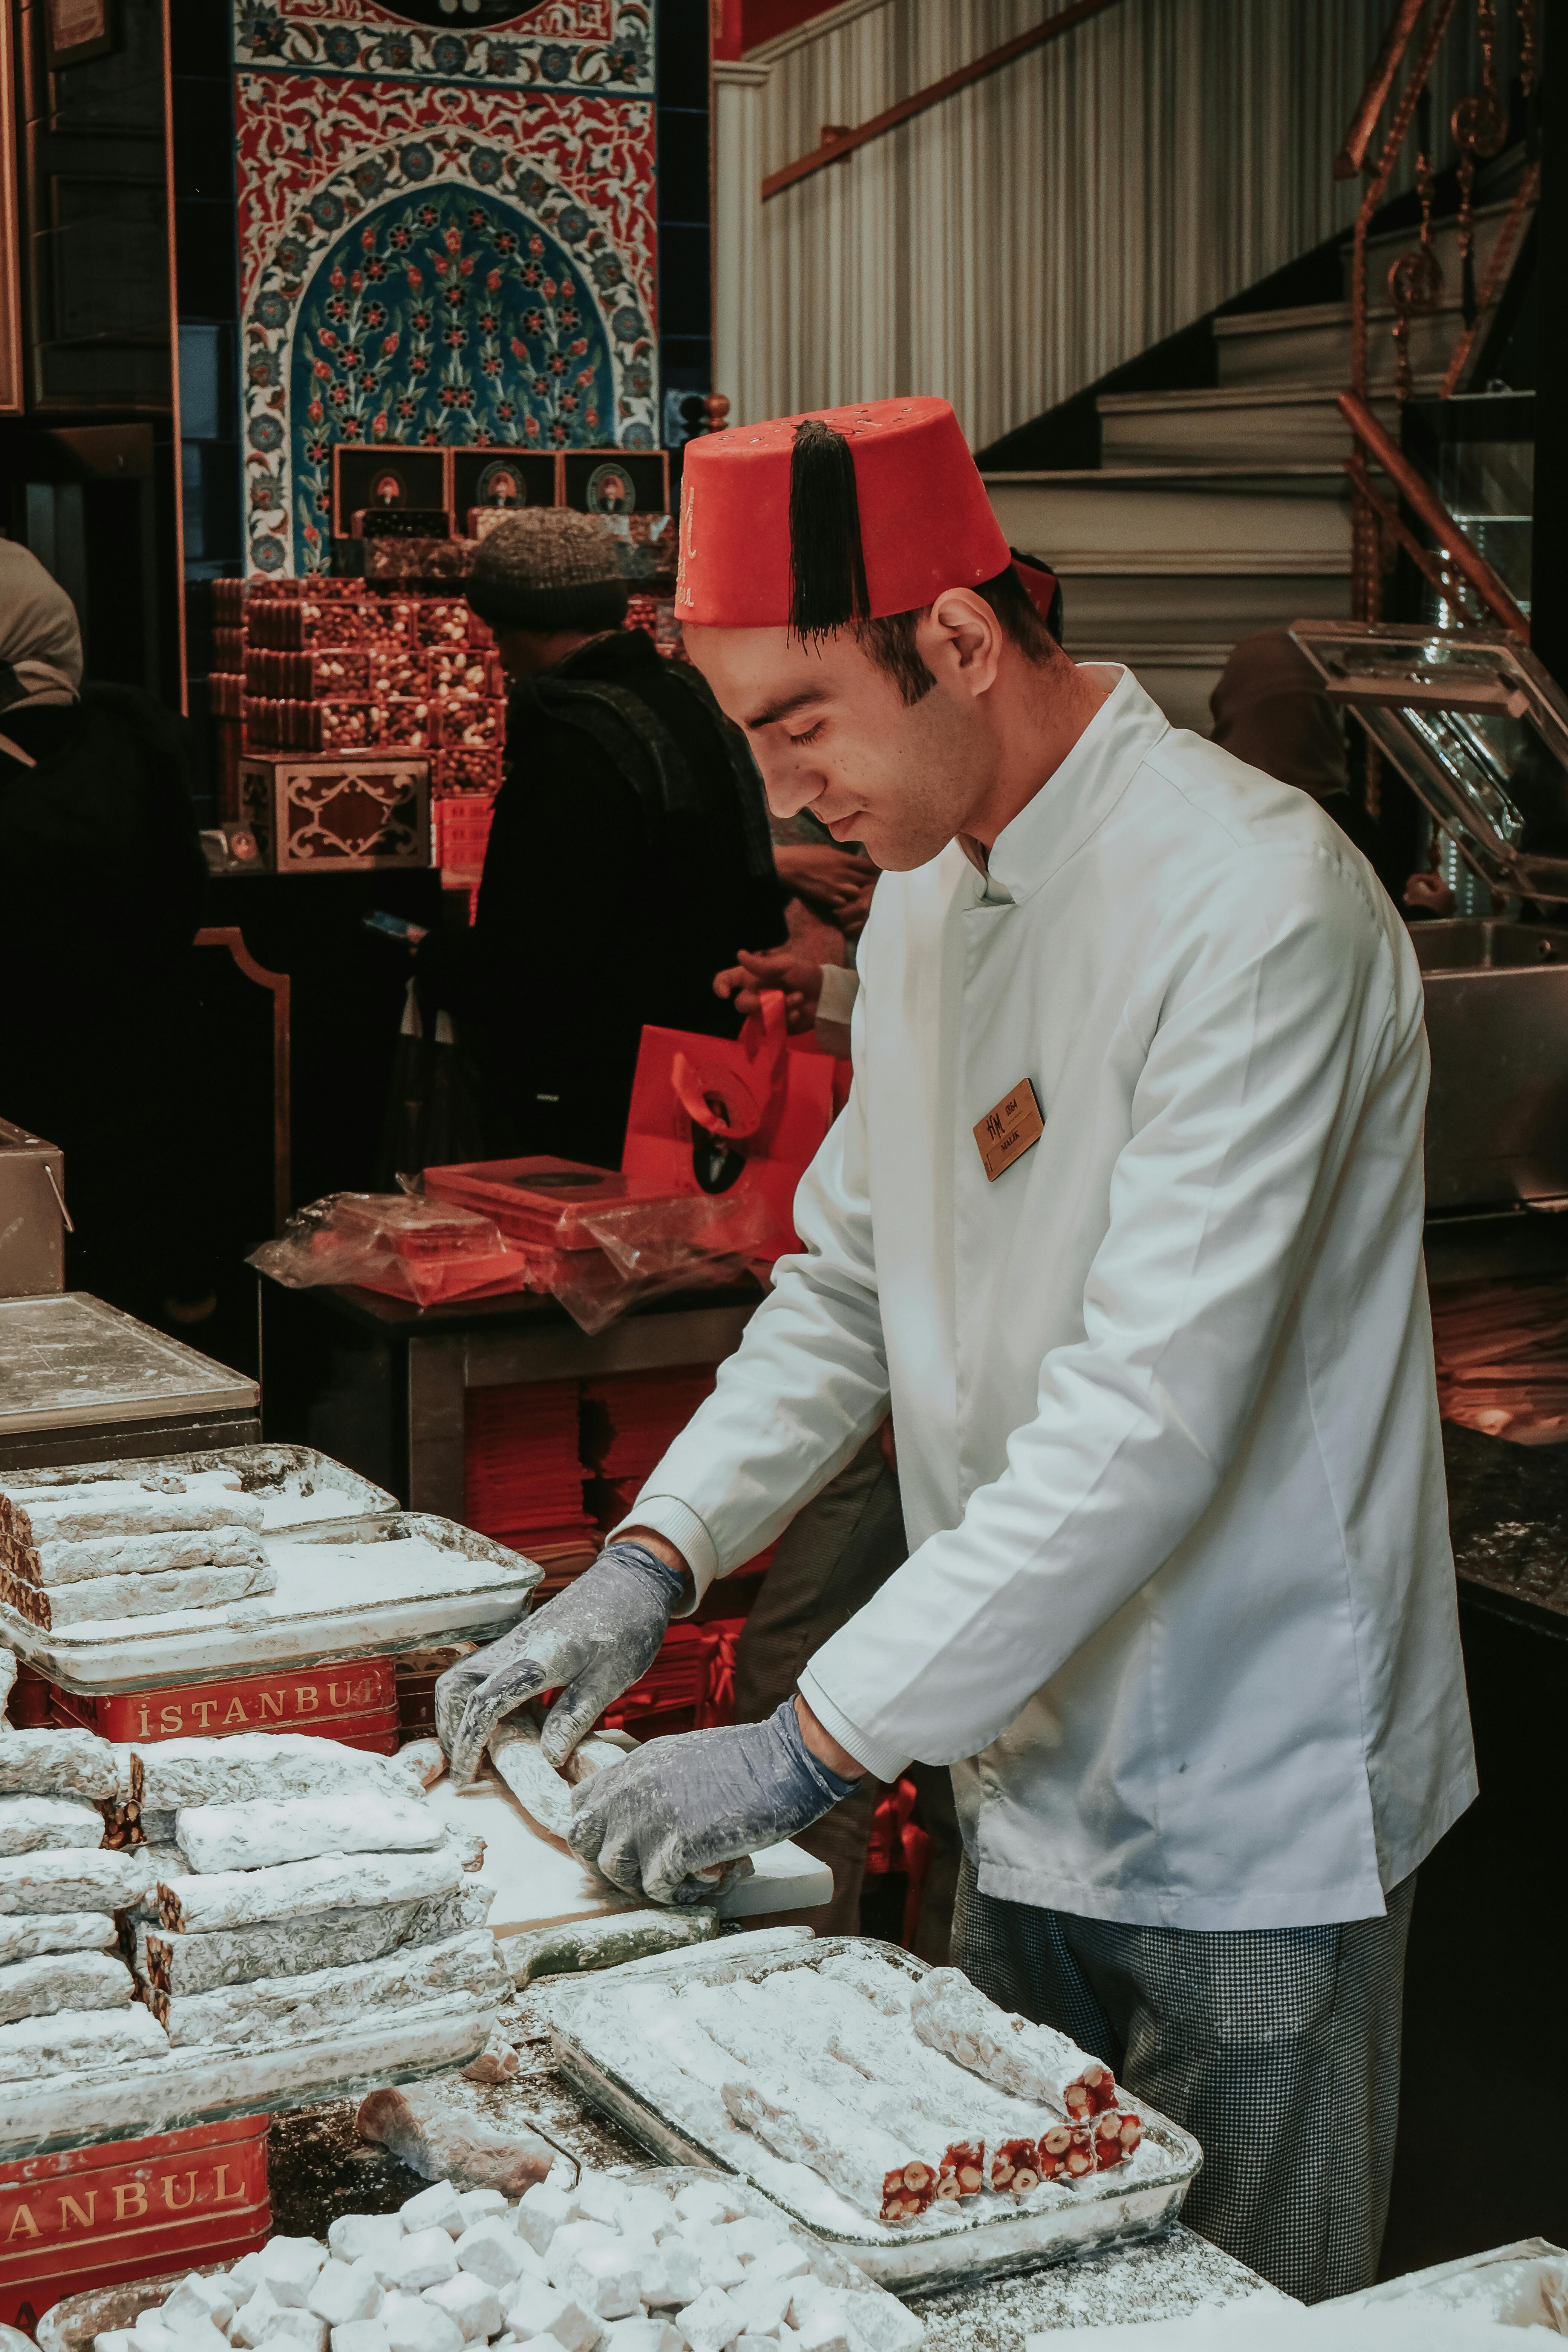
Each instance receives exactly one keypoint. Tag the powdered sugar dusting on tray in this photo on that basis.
(312, 1576)
(821, 2039)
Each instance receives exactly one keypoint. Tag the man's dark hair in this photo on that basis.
(890, 642)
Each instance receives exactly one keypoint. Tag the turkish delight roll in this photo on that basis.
(879, 2174)
(75, 2038)
(136, 1554)
(57, 1764)
(538, 1787)
(28, 1823)
(1015, 2166)
(1032, 2062)
(179, 1964)
(296, 1829)
(960, 2170)
(23, 1935)
(236, 2015)
(71, 1878)
(1067, 2153)
(104, 1506)
(148, 1594)
(1116, 2133)
(169, 1773)
(194, 1901)
(54, 1980)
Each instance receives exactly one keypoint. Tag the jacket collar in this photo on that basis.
(1074, 802)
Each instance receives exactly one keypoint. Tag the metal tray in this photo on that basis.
(202, 2084)
(71, 1360)
(281, 1478)
(489, 1593)
(71, 2325)
(984, 2239)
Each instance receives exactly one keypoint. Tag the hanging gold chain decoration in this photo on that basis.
(1480, 127)
(1415, 280)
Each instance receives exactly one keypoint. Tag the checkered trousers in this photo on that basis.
(1277, 2048)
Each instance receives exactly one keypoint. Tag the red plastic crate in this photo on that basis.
(462, 828)
(129, 2209)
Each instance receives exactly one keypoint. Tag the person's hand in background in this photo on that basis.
(1429, 894)
(799, 979)
(833, 881)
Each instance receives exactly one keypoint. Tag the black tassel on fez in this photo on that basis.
(827, 565)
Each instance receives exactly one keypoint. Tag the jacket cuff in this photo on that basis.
(840, 987)
(882, 1761)
(678, 1524)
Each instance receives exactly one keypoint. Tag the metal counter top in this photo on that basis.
(1508, 1511)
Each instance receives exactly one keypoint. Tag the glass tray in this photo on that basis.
(953, 2245)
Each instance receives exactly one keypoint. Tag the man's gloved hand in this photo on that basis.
(591, 1643)
(678, 1806)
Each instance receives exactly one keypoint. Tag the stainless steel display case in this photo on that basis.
(1479, 732)
(32, 1213)
(1496, 1016)
(1478, 729)
(79, 1382)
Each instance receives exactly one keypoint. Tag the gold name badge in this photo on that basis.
(1005, 1133)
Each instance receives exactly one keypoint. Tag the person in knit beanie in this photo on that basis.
(544, 581)
(629, 856)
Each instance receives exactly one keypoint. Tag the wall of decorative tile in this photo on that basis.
(448, 234)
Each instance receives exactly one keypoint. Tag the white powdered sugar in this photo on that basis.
(267, 1830)
(811, 2080)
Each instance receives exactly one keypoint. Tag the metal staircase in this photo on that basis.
(1218, 511)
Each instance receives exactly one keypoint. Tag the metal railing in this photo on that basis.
(1479, 125)
(840, 139)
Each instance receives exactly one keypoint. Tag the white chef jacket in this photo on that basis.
(1179, 1605)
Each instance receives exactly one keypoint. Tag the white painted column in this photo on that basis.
(738, 287)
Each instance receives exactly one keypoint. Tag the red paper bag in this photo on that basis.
(742, 1117)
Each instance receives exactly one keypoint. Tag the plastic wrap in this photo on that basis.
(429, 1251)
(601, 1243)
(399, 1243)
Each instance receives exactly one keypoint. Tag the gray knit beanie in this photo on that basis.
(548, 568)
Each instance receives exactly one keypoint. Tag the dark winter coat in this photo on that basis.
(628, 862)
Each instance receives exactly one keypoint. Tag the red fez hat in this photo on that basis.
(844, 515)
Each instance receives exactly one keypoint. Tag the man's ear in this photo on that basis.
(959, 638)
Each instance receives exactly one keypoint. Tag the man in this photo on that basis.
(821, 997)
(1124, 1216)
(629, 853)
(105, 876)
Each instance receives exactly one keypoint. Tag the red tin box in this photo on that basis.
(353, 1700)
(130, 2208)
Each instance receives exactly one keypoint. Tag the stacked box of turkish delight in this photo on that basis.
(285, 1886)
(298, 1886)
(119, 1548)
(329, 667)
(68, 2001)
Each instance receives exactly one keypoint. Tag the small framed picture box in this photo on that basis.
(75, 30)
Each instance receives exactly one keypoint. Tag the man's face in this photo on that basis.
(833, 734)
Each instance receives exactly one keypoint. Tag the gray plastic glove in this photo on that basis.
(678, 1806)
(590, 1644)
